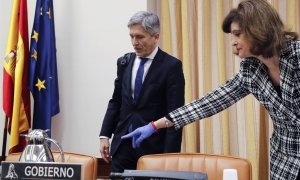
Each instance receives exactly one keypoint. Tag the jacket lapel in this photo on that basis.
(268, 89)
(287, 83)
(152, 70)
(127, 78)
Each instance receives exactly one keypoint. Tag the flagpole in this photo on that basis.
(4, 140)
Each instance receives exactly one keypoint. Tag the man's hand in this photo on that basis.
(140, 134)
(104, 149)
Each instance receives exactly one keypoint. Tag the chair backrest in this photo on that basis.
(213, 165)
(89, 163)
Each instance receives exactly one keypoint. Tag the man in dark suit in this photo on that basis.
(149, 84)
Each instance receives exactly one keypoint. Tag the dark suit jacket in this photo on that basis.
(162, 91)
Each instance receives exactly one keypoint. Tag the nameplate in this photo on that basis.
(40, 170)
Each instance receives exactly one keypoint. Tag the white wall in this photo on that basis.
(90, 35)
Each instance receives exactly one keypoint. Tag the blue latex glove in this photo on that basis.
(140, 134)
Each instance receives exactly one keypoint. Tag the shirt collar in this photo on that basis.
(152, 55)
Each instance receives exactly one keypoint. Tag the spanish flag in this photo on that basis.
(16, 96)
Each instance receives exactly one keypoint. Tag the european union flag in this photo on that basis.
(43, 82)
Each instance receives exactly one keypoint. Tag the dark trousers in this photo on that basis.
(126, 157)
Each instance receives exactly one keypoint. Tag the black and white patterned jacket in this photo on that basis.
(284, 110)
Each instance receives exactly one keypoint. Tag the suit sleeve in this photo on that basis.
(112, 114)
(214, 102)
(175, 99)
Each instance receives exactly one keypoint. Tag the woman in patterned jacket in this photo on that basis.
(269, 69)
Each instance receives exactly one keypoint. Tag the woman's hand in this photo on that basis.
(140, 134)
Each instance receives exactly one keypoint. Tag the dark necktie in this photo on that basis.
(139, 78)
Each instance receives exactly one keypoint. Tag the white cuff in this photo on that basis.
(103, 137)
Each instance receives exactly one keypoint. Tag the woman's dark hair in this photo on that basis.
(262, 26)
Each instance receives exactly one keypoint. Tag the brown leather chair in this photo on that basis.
(213, 165)
(89, 163)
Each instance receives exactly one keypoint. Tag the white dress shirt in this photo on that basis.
(136, 65)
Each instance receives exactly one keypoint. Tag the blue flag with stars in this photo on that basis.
(43, 81)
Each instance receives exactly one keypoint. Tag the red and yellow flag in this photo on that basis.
(16, 96)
